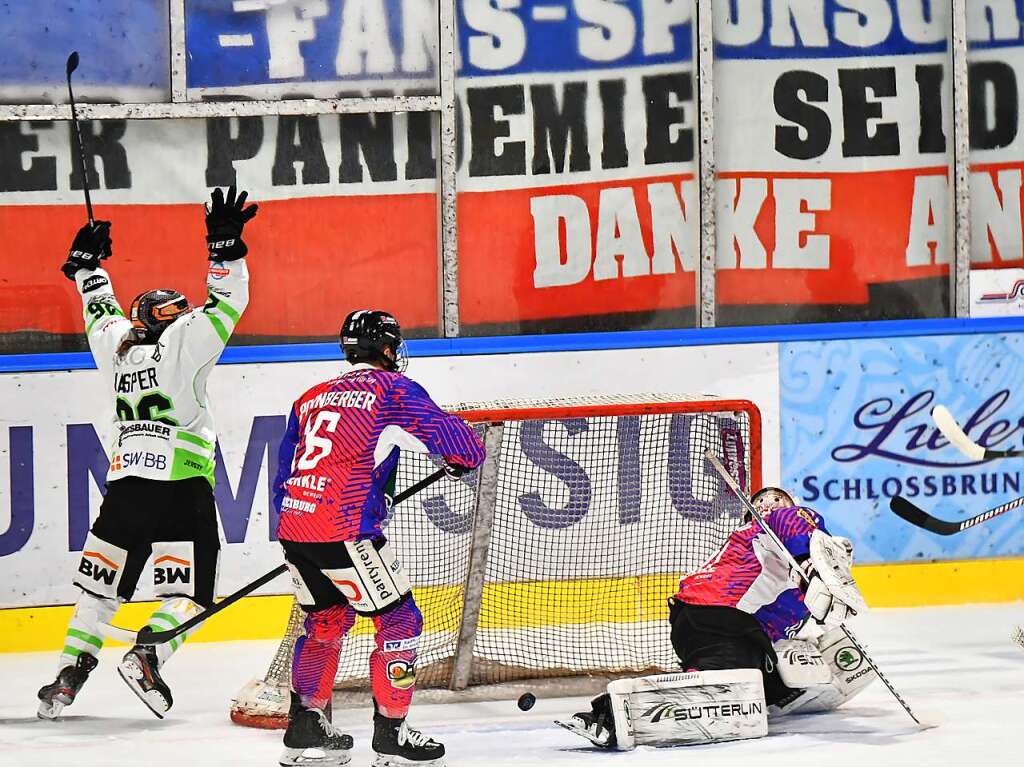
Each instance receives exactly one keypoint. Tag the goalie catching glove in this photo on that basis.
(91, 245)
(224, 222)
(831, 595)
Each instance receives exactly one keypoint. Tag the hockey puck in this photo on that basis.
(526, 701)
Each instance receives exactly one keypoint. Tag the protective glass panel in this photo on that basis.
(270, 49)
(578, 199)
(124, 49)
(834, 146)
(347, 219)
(996, 67)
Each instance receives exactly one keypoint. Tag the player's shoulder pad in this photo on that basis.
(408, 387)
(810, 516)
(312, 391)
(797, 515)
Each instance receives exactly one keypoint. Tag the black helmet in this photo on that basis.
(367, 333)
(154, 310)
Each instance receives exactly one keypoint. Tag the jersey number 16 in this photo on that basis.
(317, 447)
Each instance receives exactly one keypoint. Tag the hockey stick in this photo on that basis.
(958, 438)
(146, 636)
(71, 66)
(915, 515)
(796, 566)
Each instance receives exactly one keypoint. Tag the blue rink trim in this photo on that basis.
(570, 342)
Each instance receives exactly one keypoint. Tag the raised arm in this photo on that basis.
(105, 323)
(206, 331)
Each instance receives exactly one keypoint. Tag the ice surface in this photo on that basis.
(956, 666)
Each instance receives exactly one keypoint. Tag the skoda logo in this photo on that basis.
(849, 659)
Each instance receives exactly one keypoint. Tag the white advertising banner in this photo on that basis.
(52, 428)
(997, 292)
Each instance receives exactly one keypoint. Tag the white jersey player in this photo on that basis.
(159, 494)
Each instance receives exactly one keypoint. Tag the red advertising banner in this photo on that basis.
(347, 220)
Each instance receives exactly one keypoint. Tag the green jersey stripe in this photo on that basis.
(185, 436)
(223, 306)
(170, 619)
(218, 326)
(85, 637)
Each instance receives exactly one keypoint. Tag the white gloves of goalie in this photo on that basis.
(831, 595)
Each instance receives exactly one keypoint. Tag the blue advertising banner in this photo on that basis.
(319, 48)
(326, 47)
(856, 430)
(124, 47)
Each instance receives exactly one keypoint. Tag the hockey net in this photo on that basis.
(555, 559)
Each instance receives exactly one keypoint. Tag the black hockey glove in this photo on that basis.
(224, 222)
(454, 471)
(91, 245)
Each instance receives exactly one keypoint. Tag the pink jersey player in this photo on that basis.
(340, 451)
(749, 574)
(336, 465)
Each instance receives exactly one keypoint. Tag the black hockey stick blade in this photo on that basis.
(146, 636)
(920, 518)
(72, 64)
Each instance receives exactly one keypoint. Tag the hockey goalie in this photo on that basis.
(752, 640)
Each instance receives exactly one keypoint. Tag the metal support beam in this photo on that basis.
(708, 167)
(14, 112)
(483, 523)
(960, 273)
(179, 83)
(448, 229)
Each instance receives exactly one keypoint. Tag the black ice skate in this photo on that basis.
(596, 725)
(139, 670)
(396, 744)
(308, 728)
(60, 693)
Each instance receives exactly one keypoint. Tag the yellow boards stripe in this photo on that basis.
(525, 605)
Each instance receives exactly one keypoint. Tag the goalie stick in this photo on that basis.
(146, 636)
(915, 515)
(734, 486)
(957, 437)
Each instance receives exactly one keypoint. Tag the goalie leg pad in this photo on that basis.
(849, 675)
(315, 657)
(687, 709)
(800, 663)
(393, 661)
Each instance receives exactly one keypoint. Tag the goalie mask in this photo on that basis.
(154, 310)
(768, 499)
(374, 336)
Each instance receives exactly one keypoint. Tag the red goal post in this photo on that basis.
(553, 561)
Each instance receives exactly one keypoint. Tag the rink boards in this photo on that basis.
(31, 629)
